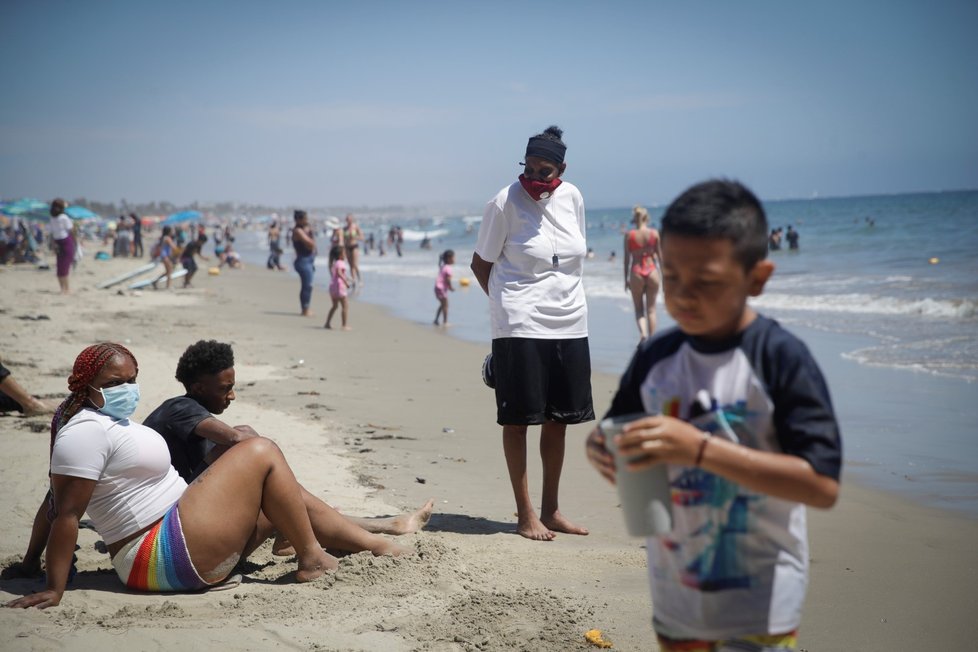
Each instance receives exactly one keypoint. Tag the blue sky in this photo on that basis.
(377, 103)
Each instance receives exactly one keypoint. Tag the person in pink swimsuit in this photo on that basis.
(339, 284)
(641, 276)
(443, 285)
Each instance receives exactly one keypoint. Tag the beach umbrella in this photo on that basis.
(27, 208)
(182, 216)
(81, 213)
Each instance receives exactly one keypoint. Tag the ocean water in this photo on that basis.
(884, 289)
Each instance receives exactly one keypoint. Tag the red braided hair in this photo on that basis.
(87, 366)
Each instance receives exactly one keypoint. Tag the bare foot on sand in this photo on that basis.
(317, 565)
(410, 522)
(282, 547)
(533, 528)
(559, 523)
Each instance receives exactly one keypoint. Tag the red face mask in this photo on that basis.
(539, 189)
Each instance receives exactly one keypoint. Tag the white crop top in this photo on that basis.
(136, 483)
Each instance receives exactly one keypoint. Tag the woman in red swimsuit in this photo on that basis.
(641, 277)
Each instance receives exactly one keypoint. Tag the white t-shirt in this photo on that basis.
(60, 226)
(136, 483)
(528, 296)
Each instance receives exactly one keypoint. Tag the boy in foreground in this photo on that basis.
(744, 423)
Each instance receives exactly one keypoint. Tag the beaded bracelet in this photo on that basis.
(702, 449)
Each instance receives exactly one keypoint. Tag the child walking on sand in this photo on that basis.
(339, 284)
(738, 411)
(443, 284)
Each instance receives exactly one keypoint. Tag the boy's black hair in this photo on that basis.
(203, 358)
(721, 208)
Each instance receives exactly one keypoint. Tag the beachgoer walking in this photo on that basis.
(164, 251)
(443, 284)
(275, 246)
(63, 241)
(529, 259)
(194, 248)
(304, 243)
(339, 284)
(137, 236)
(641, 276)
(750, 438)
(352, 236)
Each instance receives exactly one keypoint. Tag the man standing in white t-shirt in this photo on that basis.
(529, 260)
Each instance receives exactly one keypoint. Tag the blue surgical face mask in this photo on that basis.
(120, 401)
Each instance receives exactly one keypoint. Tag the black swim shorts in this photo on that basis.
(542, 380)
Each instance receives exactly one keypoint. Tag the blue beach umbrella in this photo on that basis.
(34, 208)
(81, 213)
(182, 216)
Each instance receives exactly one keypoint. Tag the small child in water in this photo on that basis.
(443, 285)
(339, 283)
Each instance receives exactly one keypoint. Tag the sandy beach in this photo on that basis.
(376, 421)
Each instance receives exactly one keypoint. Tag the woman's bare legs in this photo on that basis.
(220, 511)
(353, 255)
(168, 265)
(651, 296)
(637, 284)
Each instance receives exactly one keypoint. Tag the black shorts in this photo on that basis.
(542, 380)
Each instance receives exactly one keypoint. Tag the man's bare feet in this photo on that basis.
(533, 528)
(408, 523)
(559, 523)
(318, 564)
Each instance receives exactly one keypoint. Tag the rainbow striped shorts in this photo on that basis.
(158, 560)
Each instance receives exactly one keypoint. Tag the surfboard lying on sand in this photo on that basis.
(115, 280)
(146, 282)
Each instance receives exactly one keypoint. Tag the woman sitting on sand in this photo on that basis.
(162, 534)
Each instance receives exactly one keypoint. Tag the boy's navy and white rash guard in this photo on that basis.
(736, 561)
